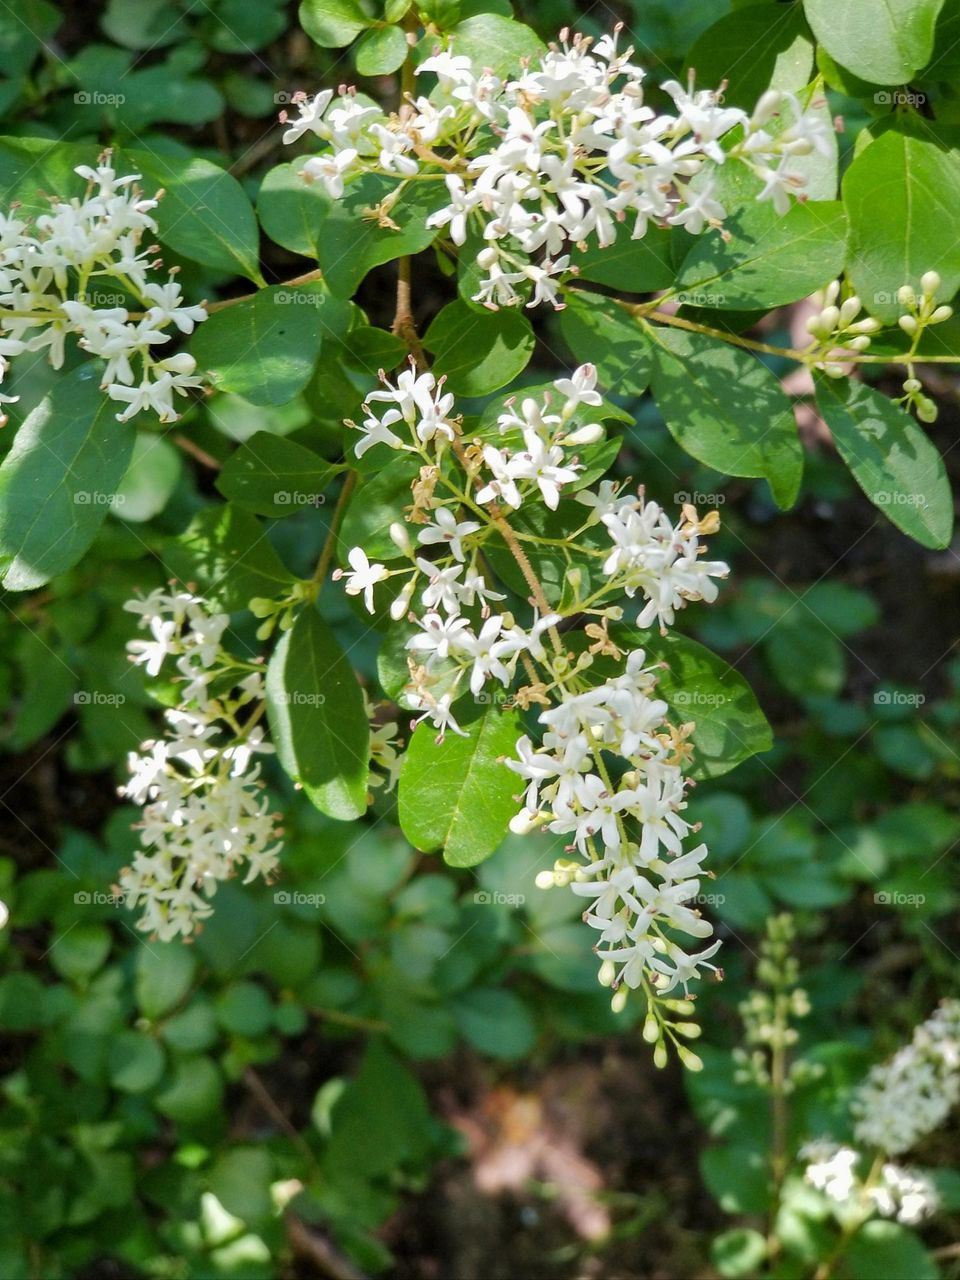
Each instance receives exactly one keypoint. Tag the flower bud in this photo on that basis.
(689, 1058)
(906, 297)
(941, 314)
(587, 435)
(926, 409)
(523, 822)
(400, 537)
(911, 385)
(619, 1001)
(487, 258)
(545, 880)
(908, 324)
(829, 317)
(850, 310)
(930, 283)
(182, 362)
(608, 974)
(402, 603)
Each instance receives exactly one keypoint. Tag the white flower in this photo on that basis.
(311, 114)
(363, 576)
(446, 529)
(908, 1097)
(205, 815)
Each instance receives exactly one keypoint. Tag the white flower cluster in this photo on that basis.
(908, 1097)
(639, 881)
(205, 813)
(891, 1190)
(54, 270)
(565, 153)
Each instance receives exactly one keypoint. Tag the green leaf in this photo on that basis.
(382, 51)
(194, 1094)
(163, 975)
(68, 459)
(317, 717)
(497, 1023)
(245, 1009)
(630, 266)
(768, 260)
(226, 552)
(332, 23)
(381, 1121)
(756, 49)
(891, 457)
(806, 657)
(901, 195)
(883, 41)
(737, 1178)
(726, 409)
(740, 1252)
(80, 951)
(265, 347)
(273, 476)
(377, 502)
(496, 42)
(151, 478)
(291, 211)
(601, 331)
(455, 794)
(240, 1179)
(204, 215)
(880, 1250)
(353, 240)
(479, 351)
(699, 686)
(136, 1061)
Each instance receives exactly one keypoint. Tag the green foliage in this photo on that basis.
(456, 795)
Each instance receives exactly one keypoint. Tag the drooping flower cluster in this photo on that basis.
(565, 153)
(56, 271)
(892, 1191)
(206, 816)
(908, 1097)
(899, 1103)
(609, 772)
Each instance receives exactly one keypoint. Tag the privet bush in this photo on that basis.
(474, 622)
